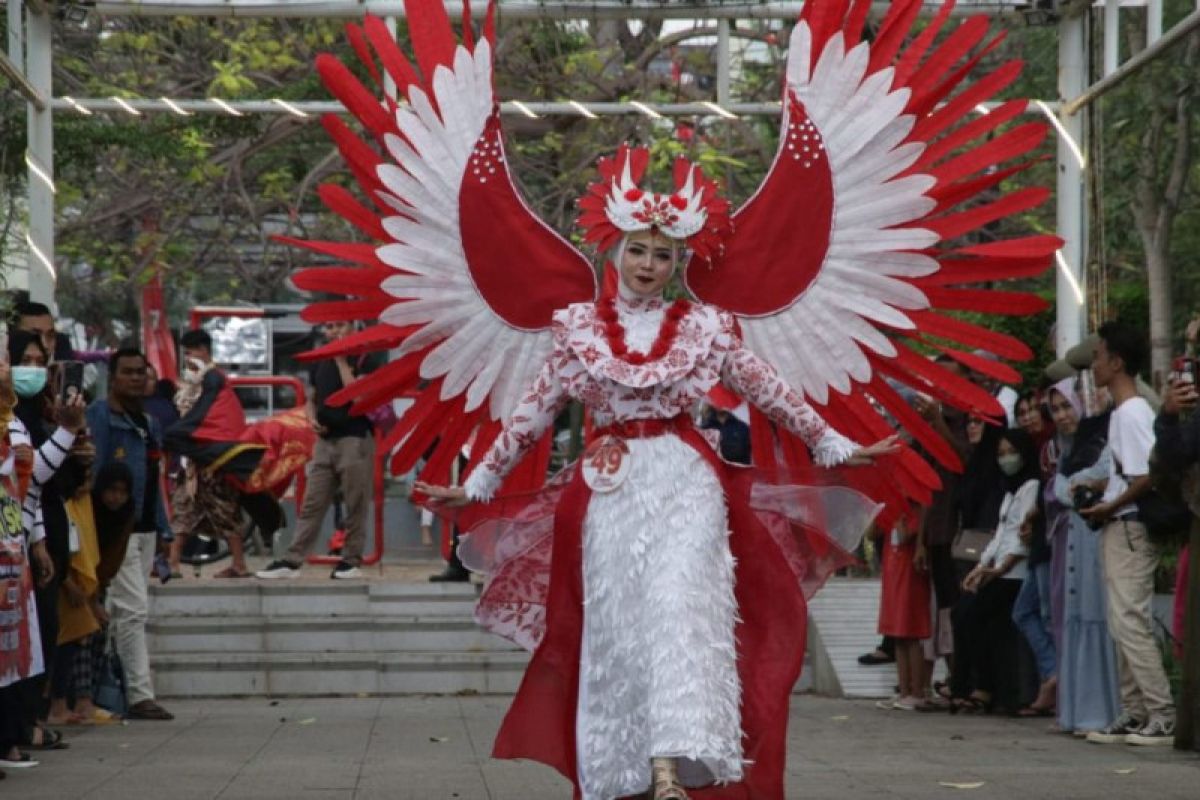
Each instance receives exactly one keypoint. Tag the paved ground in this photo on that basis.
(434, 748)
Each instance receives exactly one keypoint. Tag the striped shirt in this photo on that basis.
(46, 461)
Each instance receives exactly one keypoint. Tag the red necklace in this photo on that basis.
(614, 331)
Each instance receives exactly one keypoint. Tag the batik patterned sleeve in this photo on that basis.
(530, 419)
(759, 383)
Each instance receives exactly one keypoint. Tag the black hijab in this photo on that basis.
(1025, 446)
(30, 410)
(111, 524)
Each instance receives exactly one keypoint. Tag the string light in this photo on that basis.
(582, 109)
(126, 106)
(75, 105)
(645, 109)
(37, 170)
(174, 107)
(524, 109)
(41, 257)
(288, 107)
(228, 108)
(1064, 133)
(716, 109)
(1065, 269)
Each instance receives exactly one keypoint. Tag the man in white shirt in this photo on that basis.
(1128, 556)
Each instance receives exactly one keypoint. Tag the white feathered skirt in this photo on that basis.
(658, 671)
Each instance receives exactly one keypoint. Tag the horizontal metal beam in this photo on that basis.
(1106, 84)
(314, 108)
(11, 71)
(513, 9)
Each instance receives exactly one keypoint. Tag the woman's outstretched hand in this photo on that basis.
(884, 447)
(453, 496)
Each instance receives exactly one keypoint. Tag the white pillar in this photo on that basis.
(1071, 272)
(1153, 21)
(42, 278)
(1112, 36)
(723, 64)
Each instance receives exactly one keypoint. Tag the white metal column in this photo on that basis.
(1071, 284)
(40, 158)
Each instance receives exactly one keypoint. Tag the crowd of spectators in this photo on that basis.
(1033, 570)
(85, 489)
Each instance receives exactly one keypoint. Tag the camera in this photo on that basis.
(1086, 497)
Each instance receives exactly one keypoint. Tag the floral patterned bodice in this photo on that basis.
(706, 351)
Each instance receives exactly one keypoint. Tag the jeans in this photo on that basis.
(1031, 615)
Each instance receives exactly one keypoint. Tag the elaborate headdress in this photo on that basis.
(615, 205)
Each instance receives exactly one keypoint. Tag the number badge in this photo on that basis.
(606, 463)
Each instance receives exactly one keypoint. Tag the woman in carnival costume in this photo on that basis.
(662, 590)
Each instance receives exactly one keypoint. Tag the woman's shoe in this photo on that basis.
(665, 780)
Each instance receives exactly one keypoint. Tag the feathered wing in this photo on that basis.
(845, 257)
(460, 275)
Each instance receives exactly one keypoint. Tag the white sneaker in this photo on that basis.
(889, 704)
(25, 762)
(278, 569)
(1158, 731)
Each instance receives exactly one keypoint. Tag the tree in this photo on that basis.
(1148, 138)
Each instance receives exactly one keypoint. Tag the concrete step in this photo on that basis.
(306, 598)
(844, 619)
(250, 673)
(373, 633)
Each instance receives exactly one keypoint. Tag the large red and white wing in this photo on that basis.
(845, 257)
(459, 274)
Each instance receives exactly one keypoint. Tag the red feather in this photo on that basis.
(898, 21)
(988, 301)
(361, 282)
(954, 225)
(964, 102)
(342, 310)
(364, 105)
(344, 204)
(971, 335)
(395, 63)
(1010, 144)
(916, 51)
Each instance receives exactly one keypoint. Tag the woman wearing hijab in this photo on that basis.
(1087, 673)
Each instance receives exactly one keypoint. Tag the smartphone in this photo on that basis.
(70, 380)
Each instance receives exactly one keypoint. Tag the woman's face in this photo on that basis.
(115, 496)
(1005, 448)
(1066, 419)
(974, 430)
(33, 356)
(647, 262)
(1029, 417)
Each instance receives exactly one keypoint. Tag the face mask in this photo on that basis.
(1011, 464)
(193, 370)
(28, 381)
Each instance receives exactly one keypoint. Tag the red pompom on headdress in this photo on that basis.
(615, 205)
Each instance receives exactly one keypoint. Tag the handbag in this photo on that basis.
(109, 691)
(969, 544)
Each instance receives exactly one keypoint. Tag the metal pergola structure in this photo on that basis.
(28, 66)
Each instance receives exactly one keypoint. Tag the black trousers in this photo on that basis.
(987, 646)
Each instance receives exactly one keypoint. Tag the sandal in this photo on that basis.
(51, 740)
(970, 705)
(666, 781)
(230, 572)
(1034, 711)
